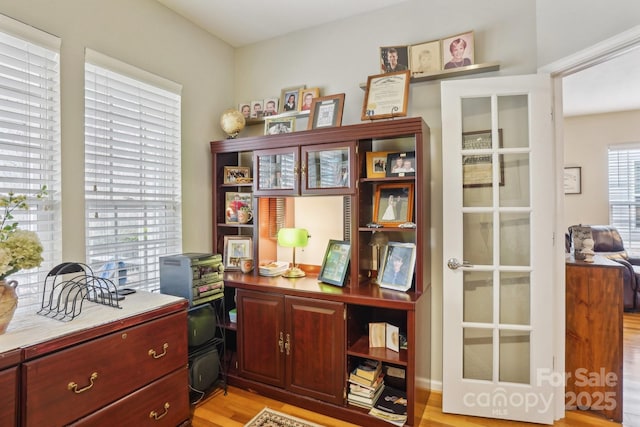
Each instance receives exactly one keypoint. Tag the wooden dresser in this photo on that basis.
(593, 352)
(106, 367)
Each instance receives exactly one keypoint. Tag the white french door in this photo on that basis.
(498, 200)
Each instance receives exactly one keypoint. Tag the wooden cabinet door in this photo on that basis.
(261, 337)
(315, 340)
(8, 394)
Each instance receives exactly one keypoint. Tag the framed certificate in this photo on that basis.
(387, 95)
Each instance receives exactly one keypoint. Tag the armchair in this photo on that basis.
(608, 243)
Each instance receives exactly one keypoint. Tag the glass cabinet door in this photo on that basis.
(276, 171)
(328, 168)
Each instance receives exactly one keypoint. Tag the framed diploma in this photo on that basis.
(386, 96)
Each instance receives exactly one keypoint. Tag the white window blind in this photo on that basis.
(30, 142)
(624, 193)
(132, 172)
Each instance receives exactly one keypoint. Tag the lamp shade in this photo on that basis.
(293, 237)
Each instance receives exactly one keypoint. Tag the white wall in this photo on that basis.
(586, 141)
(147, 35)
(568, 26)
(338, 57)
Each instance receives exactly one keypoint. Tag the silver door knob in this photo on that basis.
(454, 264)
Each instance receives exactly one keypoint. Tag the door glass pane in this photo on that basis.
(515, 239)
(328, 168)
(477, 359)
(276, 171)
(514, 356)
(514, 187)
(477, 246)
(515, 298)
(476, 114)
(513, 119)
(478, 296)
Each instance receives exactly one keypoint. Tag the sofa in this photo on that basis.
(608, 242)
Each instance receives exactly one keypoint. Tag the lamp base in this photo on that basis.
(293, 272)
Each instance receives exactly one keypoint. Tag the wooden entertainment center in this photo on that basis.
(297, 340)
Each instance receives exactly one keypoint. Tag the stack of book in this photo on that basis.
(366, 383)
(391, 406)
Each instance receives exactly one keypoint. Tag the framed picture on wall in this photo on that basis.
(458, 51)
(573, 180)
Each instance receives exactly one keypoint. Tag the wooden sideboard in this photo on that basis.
(106, 367)
(593, 352)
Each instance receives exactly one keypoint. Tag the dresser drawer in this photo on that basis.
(161, 403)
(69, 384)
(8, 393)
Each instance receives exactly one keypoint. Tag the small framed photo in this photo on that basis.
(257, 107)
(393, 204)
(245, 109)
(236, 175)
(335, 262)
(394, 58)
(398, 266)
(386, 96)
(238, 208)
(477, 169)
(289, 98)
(401, 164)
(270, 107)
(573, 180)
(377, 164)
(236, 247)
(326, 111)
(425, 58)
(305, 98)
(458, 51)
(278, 125)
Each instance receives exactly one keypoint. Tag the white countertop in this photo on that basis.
(28, 328)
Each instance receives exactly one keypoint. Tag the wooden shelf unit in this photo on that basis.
(361, 300)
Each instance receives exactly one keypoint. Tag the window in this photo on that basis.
(132, 171)
(30, 141)
(624, 192)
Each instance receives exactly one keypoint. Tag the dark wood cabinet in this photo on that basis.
(593, 353)
(299, 344)
(324, 328)
(107, 367)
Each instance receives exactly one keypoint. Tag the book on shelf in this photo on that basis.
(356, 379)
(363, 400)
(364, 390)
(395, 376)
(369, 369)
(392, 401)
(398, 420)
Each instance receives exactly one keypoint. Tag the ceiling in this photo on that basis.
(243, 22)
(611, 86)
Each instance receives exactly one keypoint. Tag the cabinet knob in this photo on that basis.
(153, 353)
(74, 386)
(281, 343)
(287, 345)
(156, 416)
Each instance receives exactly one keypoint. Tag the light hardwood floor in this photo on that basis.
(239, 406)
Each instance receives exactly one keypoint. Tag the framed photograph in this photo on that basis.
(393, 204)
(326, 111)
(256, 109)
(335, 262)
(386, 96)
(270, 107)
(573, 180)
(377, 164)
(236, 175)
(401, 164)
(305, 98)
(398, 266)
(394, 58)
(425, 58)
(238, 208)
(245, 109)
(477, 169)
(458, 51)
(236, 247)
(289, 98)
(278, 125)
